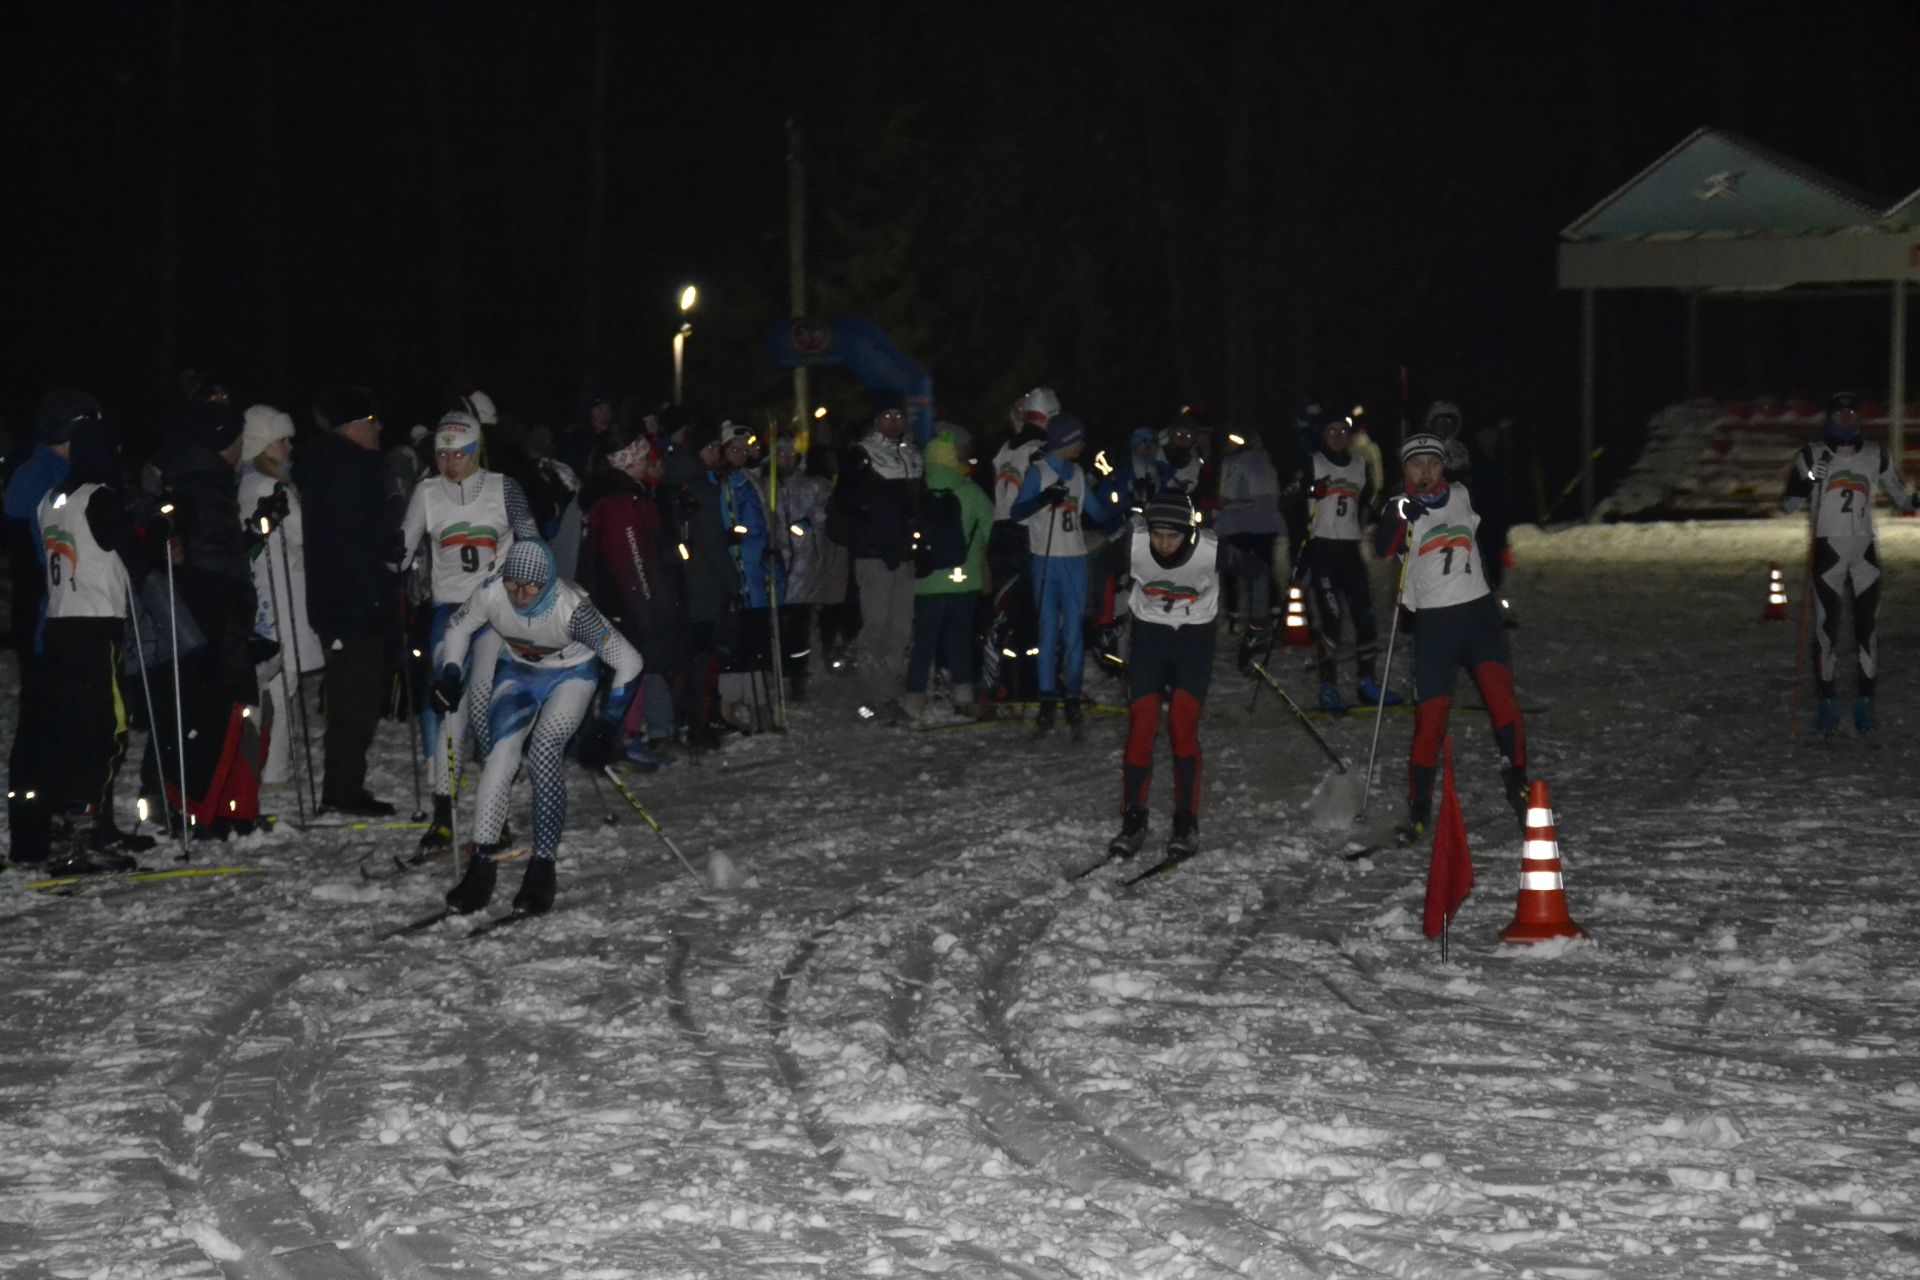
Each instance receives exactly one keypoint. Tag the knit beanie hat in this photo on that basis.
(261, 426)
(1065, 430)
(1423, 444)
(1170, 511)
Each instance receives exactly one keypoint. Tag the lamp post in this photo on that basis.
(688, 296)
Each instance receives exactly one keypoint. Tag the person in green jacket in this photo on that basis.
(945, 594)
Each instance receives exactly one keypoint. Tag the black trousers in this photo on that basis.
(89, 736)
(356, 695)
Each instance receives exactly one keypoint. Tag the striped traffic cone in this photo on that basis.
(1776, 596)
(1296, 634)
(1541, 912)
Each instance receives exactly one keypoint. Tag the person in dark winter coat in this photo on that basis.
(197, 472)
(29, 812)
(873, 517)
(349, 603)
(630, 569)
(713, 583)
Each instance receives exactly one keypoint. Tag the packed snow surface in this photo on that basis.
(900, 1041)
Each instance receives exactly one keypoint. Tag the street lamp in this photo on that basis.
(688, 296)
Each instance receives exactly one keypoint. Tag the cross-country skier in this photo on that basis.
(1433, 526)
(1009, 548)
(94, 551)
(468, 518)
(1844, 470)
(1175, 567)
(1338, 497)
(1056, 501)
(546, 676)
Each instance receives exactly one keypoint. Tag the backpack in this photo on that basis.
(940, 538)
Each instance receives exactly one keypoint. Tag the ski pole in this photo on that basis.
(1386, 673)
(626, 793)
(407, 656)
(146, 687)
(453, 802)
(1305, 723)
(179, 714)
(286, 692)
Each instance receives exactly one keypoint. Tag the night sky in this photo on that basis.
(1142, 205)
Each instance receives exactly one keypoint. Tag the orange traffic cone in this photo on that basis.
(1297, 634)
(1776, 596)
(1541, 912)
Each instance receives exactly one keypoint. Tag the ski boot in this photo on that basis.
(1864, 721)
(1330, 698)
(476, 887)
(1370, 693)
(1414, 829)
(1076, 719)
(1827, 719)
(643, 756)
(1133, 834)
(1043, 722)
(77, 855)
(536, 889)
(1185, 840)
(1254, 646)
(439, 832)
(1513, 778)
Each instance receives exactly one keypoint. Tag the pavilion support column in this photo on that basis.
(1587, 406)
(1693, 344)
(1897, 399)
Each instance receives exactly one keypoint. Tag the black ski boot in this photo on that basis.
(536, 889)
(439, 832)
(76, 856)
(1133, 834)
(109, 838)
(476, 887)
(1185, 840)
(1043, 722)
(1076, 719)
(1414, 829)
(1514, 779)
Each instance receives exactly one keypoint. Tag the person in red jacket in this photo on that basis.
(630, 569)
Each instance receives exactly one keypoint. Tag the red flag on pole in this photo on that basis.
(1450, 870)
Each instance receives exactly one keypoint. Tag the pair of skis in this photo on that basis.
(1166, 864)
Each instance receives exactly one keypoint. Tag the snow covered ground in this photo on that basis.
(907, 1045)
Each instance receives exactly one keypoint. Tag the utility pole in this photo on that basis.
(797, 261)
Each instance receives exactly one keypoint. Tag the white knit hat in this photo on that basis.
(262, 425)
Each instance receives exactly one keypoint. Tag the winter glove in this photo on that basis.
(1054, 494)
(261, 648)
(447, 690)
(598, 745)
(270, 511)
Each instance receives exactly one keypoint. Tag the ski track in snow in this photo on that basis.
(907, 1045)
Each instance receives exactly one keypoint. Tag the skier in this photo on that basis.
(1433, 526)
(1181, 465)
(546, 677)
(469, 517)
(1339, 496)
(1055, 501)
(1176, 568)
(1249, 522)
(1844, 470)
(803, 513)
(94, 551)
(1009, 550)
